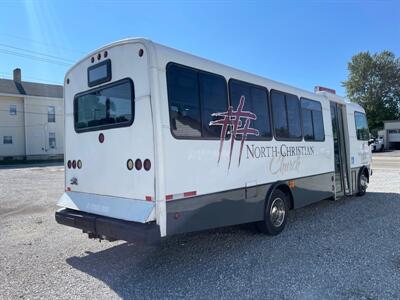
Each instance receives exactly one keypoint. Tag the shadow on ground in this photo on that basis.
(307, 257)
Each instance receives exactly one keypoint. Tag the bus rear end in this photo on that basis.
(109, 146)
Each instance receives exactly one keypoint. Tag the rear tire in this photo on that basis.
(275, 213)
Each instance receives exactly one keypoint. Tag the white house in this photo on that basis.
(31, 120)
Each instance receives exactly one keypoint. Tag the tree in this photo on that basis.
(374, 83)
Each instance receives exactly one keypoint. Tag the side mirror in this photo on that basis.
(371, 141)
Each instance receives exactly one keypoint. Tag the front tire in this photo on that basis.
(275, 214)
(362, 184)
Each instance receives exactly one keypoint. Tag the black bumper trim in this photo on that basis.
(106, 227)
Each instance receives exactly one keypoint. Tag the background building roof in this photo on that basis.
(8, 86)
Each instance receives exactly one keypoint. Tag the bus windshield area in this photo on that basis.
(105, 107)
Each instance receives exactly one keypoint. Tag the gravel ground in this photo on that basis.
(346, 249)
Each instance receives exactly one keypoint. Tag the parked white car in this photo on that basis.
(378, 144)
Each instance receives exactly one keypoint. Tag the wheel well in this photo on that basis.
(364, 171)
(285, 189)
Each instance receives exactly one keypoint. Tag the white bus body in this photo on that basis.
(144, 156)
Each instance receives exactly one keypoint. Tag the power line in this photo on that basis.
(35, 57)
(47, 45)
(20, 126)
(38, 53)
(31, 112)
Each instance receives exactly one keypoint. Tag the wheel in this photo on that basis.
(362, 184)
(275, 214)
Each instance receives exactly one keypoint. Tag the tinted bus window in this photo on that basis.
(184, 102)
(214, 98)
(256, 101)
(286, 116)
(313, 124)
(193, 96)
(105, 107)
(361, 126)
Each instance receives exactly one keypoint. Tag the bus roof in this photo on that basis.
(204, 62)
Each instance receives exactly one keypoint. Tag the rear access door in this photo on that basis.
(108, 125)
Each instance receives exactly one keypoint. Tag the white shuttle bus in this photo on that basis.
(160, 142)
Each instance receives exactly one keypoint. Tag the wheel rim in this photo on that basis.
(363, 182)
(277, 212)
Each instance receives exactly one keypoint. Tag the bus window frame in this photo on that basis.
(199, 138)
(355, 124)
(107, 126)
(256, 138)
(273, 119)
(323, 123)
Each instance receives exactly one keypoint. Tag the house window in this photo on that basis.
(51, 114)
(13, 110)
(52, 140)
(7, 139)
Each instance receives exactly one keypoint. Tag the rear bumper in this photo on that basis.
(108, 228)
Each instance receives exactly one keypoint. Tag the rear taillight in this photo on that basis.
(79, 164)
(147, 164)
(74, 164)
(69, 164)
(138, 164)
(129, 164)
(101, 138)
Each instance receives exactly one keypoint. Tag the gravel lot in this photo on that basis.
(344, 249)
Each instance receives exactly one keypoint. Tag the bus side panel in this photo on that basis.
(311, 189)
(241, 205)
(216, 210)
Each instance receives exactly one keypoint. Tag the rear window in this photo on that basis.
(105, 107)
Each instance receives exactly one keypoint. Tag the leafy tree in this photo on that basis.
(374, 83)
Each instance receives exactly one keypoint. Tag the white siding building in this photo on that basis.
(31, 120)
(391, 134)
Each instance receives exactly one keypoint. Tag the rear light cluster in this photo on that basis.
(146, 164)
(74, 164)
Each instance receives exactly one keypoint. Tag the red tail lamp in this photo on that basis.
(74, 164)
(69, 164)
(101, 138)
(147, 164)
(138, 164)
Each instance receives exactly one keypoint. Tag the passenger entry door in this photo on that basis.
(339, 145)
